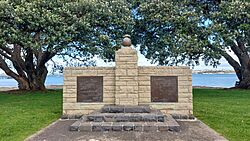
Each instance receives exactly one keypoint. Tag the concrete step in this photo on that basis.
(126, 117)
(183, 117)
(82, 125)
(125, 109)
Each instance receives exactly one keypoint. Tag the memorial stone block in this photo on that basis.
(89, 89)
(164, 89)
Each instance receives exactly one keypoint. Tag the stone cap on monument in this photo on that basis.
(126, 42)
(126, 74)
(126, 48)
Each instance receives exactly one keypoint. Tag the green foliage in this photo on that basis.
(172, 32)
(24, 113)
(164, 27)
(169, 32)
(36, 24)
(74, 28)
(226, 111)
(107, 22)
(32, 32)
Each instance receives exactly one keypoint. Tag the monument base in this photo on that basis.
(126, 118)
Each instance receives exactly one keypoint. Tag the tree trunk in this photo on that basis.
(31, 84)
(29, 64)
(23, 84)
(34, 81)
(245, 82)
(35, 84)
(242, 68)
(39, 79)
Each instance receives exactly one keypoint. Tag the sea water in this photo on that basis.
(209, 80)
(214, 80)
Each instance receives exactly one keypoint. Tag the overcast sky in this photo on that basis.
(142, 61)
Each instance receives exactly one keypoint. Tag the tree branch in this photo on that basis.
(241, 45)
(240, 50)
(230, 60)
(44, 57)
(7, 50)
(5, 55)
(7, 70)
(236, 50)
(17, 61)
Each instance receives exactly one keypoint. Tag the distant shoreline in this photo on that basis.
(3, 76)
(213, 71)
(205, 80)
(15, 88)
(61, 87)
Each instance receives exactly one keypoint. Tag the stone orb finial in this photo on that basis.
(126, 40)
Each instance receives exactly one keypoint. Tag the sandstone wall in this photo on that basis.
(184, 75)
(70, 104)
(127, 84)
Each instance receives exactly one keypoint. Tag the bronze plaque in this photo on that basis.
(164, 89)
(90, 89)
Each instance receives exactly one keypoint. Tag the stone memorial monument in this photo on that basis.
(127, 97)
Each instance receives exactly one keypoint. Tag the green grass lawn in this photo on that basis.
(226, 111)
(23, 114)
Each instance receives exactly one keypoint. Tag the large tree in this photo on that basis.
(32, 32)
(174, 32)
(169, 32)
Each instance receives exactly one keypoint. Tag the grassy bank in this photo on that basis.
(226, 111)
(22, 114)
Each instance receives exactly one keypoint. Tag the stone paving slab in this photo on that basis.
(180, 116)
(124, 126)
(125, 109)
(190, 131)
(125, 122)
(126, 117)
